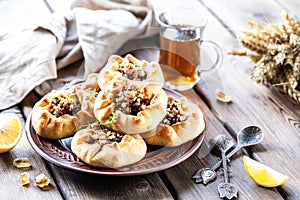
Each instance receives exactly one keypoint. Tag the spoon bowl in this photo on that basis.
(223, 142)
(250, 135)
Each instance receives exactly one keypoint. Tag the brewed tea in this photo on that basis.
(181, 31)
(181, 53)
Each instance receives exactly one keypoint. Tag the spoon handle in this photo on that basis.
(224, 162)
(227, 157)
(231, 153)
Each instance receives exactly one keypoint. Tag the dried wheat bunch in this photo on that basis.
(275, 51)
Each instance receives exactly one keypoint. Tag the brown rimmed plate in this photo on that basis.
(58, 152)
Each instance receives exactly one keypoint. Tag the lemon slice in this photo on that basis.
(10, 131)
(262, 174)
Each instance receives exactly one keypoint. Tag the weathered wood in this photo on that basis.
(179, 178)
(14, 16)
(178, 181)
(9, 174)
(291, 6)
(235, 15)
(82, 186)
(256, 104)
(85, 186)
(252, 103)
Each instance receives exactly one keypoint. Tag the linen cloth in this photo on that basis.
(39, 58)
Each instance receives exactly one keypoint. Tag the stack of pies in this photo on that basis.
(115, 114)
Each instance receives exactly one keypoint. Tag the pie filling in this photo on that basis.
(131, 100)
(132, 72)
(61, 105)
(105, 136)
(175, 113)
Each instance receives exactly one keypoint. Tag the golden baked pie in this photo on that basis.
(132, 69)
(53, 116)
(58, 115)
(131, 108)
(61, 112)
(183, 122)
(102, 147)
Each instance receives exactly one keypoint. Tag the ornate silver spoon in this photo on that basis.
(248, 136)
(226, 189)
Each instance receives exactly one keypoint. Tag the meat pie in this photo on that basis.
(101, 147)
(130, 108)
(131, 69)
(183, 122)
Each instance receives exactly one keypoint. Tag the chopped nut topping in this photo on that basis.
(42, 180)
(24, 178)
(174, 114)
(104, 136)
(136, 74)
(132, 71)
(131, 100)
(61, 105)
(22, 163)
(112, 136)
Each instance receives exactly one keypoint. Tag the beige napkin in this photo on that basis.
(52, 53)
(30, 57)
(27, 58)
(94, 36)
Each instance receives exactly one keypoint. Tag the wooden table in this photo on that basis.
(252, 103)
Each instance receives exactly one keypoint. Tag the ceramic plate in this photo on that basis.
(157, 158)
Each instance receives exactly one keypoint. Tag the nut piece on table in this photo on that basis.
(221, 96)
(22, 163)
(24, 178)
(42, 180)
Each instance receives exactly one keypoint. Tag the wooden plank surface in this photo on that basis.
(256, 104)
(179, 178)
(71, 185)
(252, 104)
(85, 186)
(9, 174)
(235, 14)
(291, 6)
(14, 17)
(74, 185)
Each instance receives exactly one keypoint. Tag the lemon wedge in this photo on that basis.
(10, 131)
(262, 174)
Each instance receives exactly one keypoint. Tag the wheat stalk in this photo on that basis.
(275, 52)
